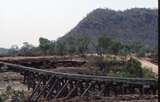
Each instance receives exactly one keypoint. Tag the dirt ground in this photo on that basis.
(145, 63)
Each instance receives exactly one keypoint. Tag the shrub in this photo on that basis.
(148, 73)
(141, 52)
(133, 67)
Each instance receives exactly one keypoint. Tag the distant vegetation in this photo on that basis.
(3, 50)
(80, 46)
(122, 68)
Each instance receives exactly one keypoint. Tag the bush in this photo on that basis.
(141, 52)
(148, 73)
(116, 68)
(133, 67)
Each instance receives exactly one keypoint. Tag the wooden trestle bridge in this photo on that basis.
(51, 85)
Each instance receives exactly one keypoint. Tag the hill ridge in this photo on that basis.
(131, 25)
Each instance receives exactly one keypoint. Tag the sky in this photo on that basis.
(27, 20)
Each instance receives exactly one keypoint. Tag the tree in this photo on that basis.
(124, 51)
(82, 44)
(96, 47)
(148, 73)
(60, 48)
(108, 45)
(133, 67)
(115, 47)
(13, 50)
(44, 45)
(103, 44)
(135, 46)
(71, 44)
(26, 49)
(141, 52)
(52, 47)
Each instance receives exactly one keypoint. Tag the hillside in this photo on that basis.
(132, 25)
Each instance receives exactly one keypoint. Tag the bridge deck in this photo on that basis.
(52, 85)
(81, 76)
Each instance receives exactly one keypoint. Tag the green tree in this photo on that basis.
(141, 52)
(124, 51)
(71, 44)
(26, 49)
(95, 47)
(115, 47)
(133, 67)
(44, 45)
(148, 73)
(103, 44)
(52, 48)
(13, 50)
(82, 44)
(60, 48)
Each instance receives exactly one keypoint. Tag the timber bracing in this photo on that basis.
(52, 85)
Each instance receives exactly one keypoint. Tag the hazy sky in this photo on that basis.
(27, 20)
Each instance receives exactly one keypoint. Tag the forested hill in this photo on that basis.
(132, 25)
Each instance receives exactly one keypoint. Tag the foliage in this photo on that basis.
(82, 44)
(111, 46)
(71, 45)
(116, 46)
(3, 50)
(60, 48)
(148, 73)
(103, 43)
(44, 45)
(141, 52)
(120, 68)
(124, 51)
(133, 67)
(26, 49)
(13, 50)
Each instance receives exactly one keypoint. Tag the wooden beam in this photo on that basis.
(51, 89)
(86, 90)
(61, 89)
